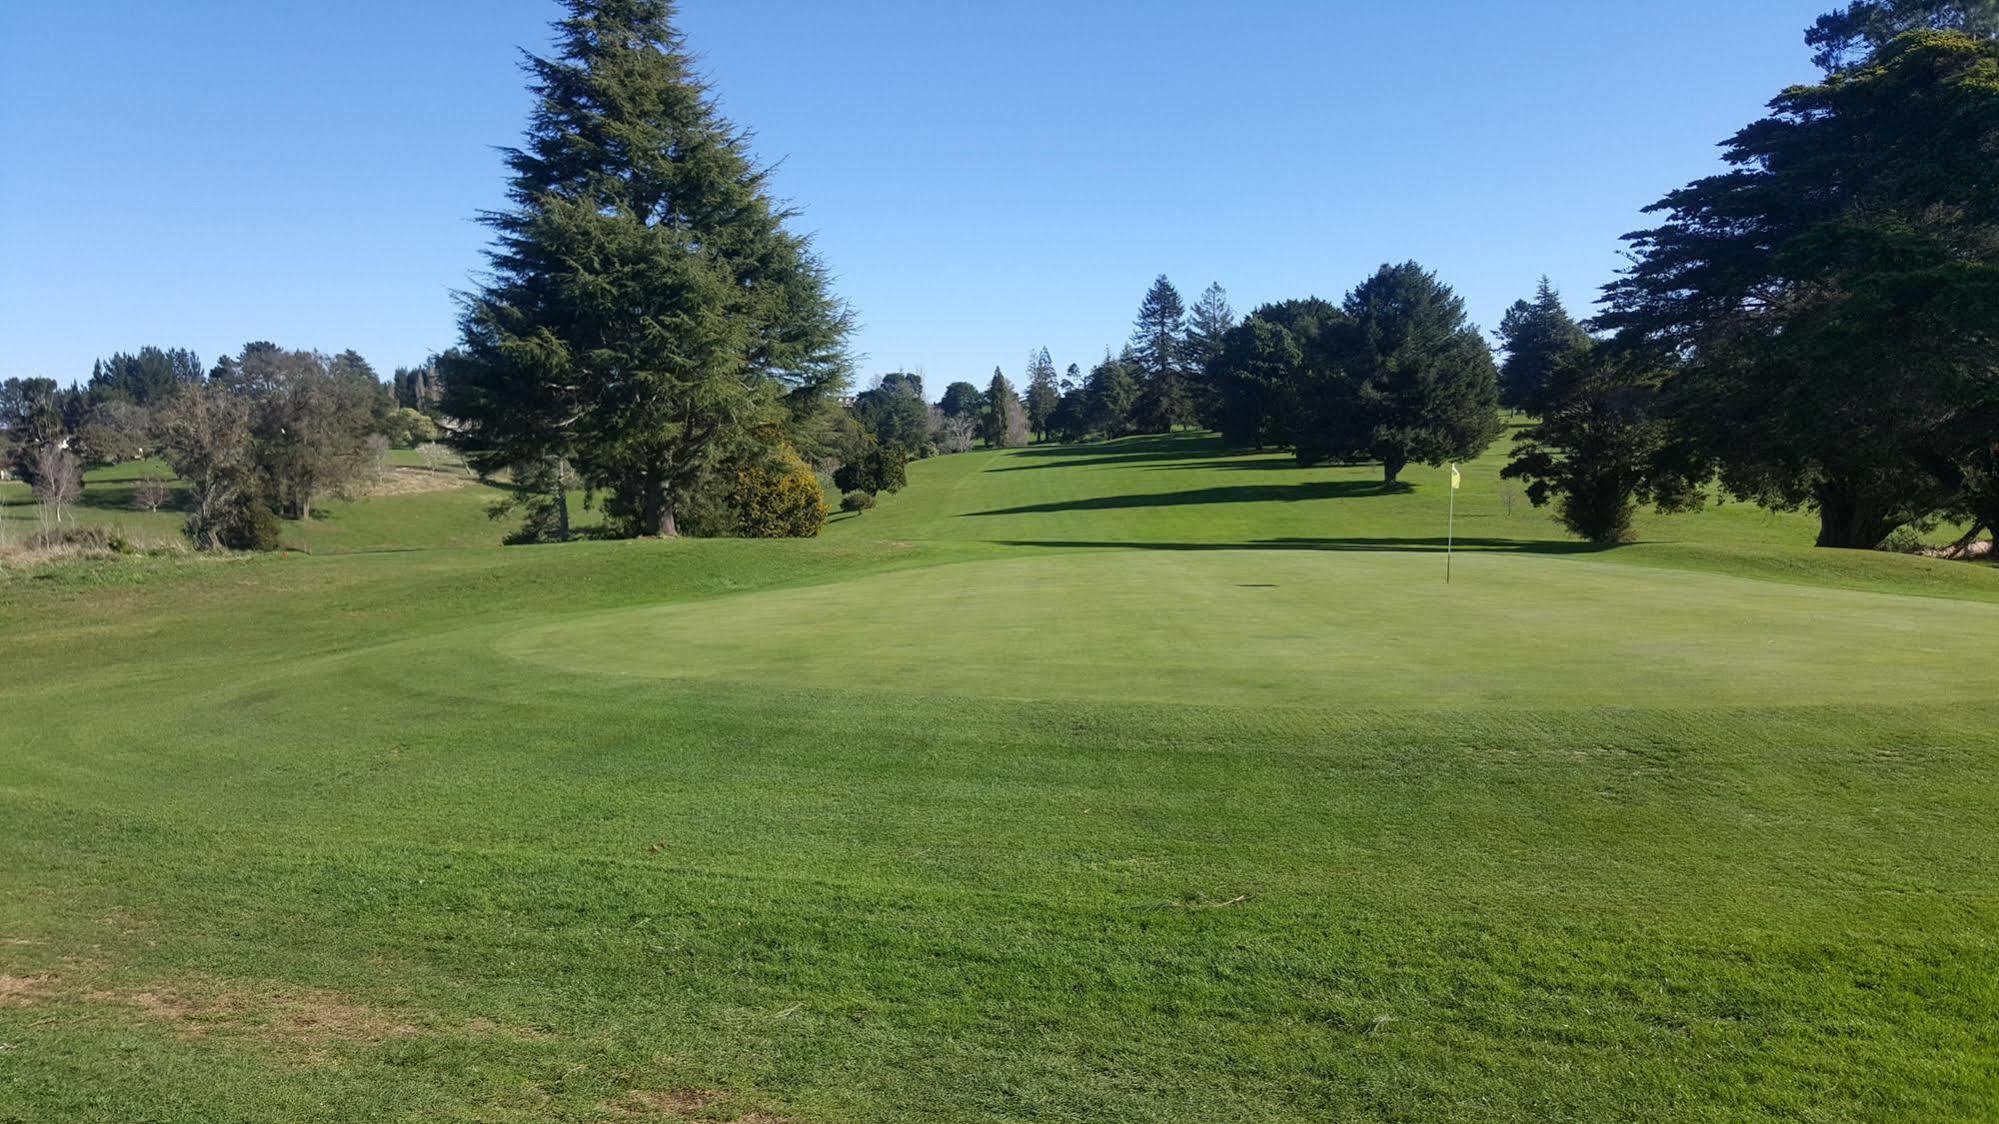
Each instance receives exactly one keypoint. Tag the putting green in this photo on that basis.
(1288, 627)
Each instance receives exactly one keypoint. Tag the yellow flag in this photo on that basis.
(1456, 480)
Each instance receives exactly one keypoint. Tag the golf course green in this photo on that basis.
(1136, 781)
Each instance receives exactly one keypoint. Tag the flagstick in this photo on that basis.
(1451, 528)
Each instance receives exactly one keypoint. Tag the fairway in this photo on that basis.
(1137, 781)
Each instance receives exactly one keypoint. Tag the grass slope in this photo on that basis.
(1134, 782)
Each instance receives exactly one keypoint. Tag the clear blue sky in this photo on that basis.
(982, 179)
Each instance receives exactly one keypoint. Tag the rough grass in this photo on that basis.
(1211, 807)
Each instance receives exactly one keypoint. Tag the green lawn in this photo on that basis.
(1123, 782)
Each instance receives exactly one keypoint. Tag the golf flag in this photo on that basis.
(1451, 523)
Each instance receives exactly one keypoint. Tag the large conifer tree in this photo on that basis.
(1159, 349)
(1208, 322)
(647, 309)
(1537, 335)
(1042, 394)
(1834, 294)
(1424, 385)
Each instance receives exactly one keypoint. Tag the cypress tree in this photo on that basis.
(1423, 382)
(1005, 422)
(647, 309)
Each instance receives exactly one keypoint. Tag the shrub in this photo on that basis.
(778, 498)
(248, 523)
(857, 501)
(880, 468)
(1904, 540)
(81, 539)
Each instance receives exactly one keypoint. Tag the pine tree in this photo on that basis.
(1537, 335)
(647, 310)
(1159, 349)
(1207, 323)
(1042, 394)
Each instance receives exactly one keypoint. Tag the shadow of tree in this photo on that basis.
(1246, 493)
(1356, 544)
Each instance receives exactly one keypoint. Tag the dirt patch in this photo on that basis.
(307, 1017)
(281, 1016)
(23, 991)
(680, 1104)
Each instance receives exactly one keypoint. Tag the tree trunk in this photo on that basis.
(561, 509)
(1850, 521)
(668, 528)
(1391, 466)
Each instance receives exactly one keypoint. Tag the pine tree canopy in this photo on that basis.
(646, 307)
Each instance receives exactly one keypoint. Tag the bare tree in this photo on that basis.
(151, 493)
(952, 433)
(378, 457)
(433, 455)
(58, 481)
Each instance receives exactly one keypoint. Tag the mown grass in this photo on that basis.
(1218, 807)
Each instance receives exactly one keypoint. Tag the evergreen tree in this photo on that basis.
(647, 308)
(1005, 421)
(961, 400)
(895, 414)
(1835, 291)
(1208, 323)
(1850, 34)
(1159, 352)
(1537, 335)
(1112, 393)
(1423, 384)
(1599, 448)
(1042, 394)
(146, 379)
(1276, 381)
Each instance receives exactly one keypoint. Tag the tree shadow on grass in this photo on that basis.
(1434, 545)
(1129, 450)
(1247, 493)
(1160, 444)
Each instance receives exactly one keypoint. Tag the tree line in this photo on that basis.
(1811, 328)
(260, 436)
